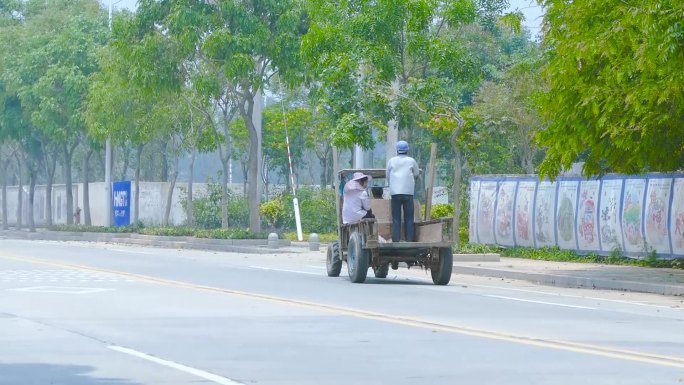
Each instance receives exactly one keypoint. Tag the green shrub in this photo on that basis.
(228, 234)
(93, 229)
(273, 212)
(316, 208)
(207, 208)
(169, 231)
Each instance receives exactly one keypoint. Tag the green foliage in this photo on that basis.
(229, 234)
(442, 210)
(233, 233)
(207, 208)
(615, 79)
(317, 210)
(93, 229)
(504, 120)
(556, 254)
(169, 231)
(273, 212)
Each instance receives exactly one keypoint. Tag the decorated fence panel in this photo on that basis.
(636, 215)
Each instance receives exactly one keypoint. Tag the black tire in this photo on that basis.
(357, 259)
(333, 261)
(381, 272)
(441, 271)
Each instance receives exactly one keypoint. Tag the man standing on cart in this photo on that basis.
(401, 173)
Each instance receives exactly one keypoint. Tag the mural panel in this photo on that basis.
(566, 213)
(657, 234)
(677, 217)
(632, 207)
(524, 207)
(485, 211)
(609, 215)
(504, 213)
(587, 216)
(474, 196)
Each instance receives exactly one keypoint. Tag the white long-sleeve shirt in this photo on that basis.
(356, 202)
(401, 173)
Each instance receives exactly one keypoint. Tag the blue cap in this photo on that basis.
(402, 147)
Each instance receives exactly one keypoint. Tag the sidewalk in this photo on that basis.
(583, 275)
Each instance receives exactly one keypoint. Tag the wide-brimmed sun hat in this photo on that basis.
(359, 175)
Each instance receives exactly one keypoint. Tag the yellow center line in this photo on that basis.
(597, 350)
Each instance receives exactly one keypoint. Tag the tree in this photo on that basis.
(296, 120)
(58, 43)
(615, 78)
(503, 120)
(401, 61)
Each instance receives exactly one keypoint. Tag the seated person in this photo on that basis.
(356, 205)
(377, 192)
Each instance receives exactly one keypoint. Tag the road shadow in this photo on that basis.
(397, 281)
(44, 374)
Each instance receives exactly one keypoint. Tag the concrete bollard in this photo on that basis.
(314, 242)
(273, 241)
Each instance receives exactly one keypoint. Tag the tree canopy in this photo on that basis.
(615, 81)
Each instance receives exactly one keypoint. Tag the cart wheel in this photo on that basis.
(333, 261)
(381, 272)
(357, 259)
(441, 271)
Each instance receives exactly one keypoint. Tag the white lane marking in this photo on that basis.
(61, 290)
(132, 252)
(539, 302)
(575, 296)
(195, 372)
(283, 270)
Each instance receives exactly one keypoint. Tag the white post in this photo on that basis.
(295, 201)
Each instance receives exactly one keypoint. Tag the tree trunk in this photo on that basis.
(253, 176)
(164, 162)
(32, 194)
(5, 225)
(86, 187)
(245, 172)
(456, 192)
(169, 196)
(191, 174)
(253, 165)
(69, 186)
(264, 172)
(224, 194)
(20, 197)
(51, 165)
(126, 160)
(136, 208)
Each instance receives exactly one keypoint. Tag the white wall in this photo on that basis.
(152, 202)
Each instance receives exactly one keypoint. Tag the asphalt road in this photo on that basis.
(77, 314)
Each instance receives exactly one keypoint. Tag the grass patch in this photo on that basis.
(165, 231)
(93, 229)
(557, 255)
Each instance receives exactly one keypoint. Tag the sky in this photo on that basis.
(533, 14)
(532, 11)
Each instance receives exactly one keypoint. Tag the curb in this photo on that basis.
(488, 257)
(574, 281)
(245, 246)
